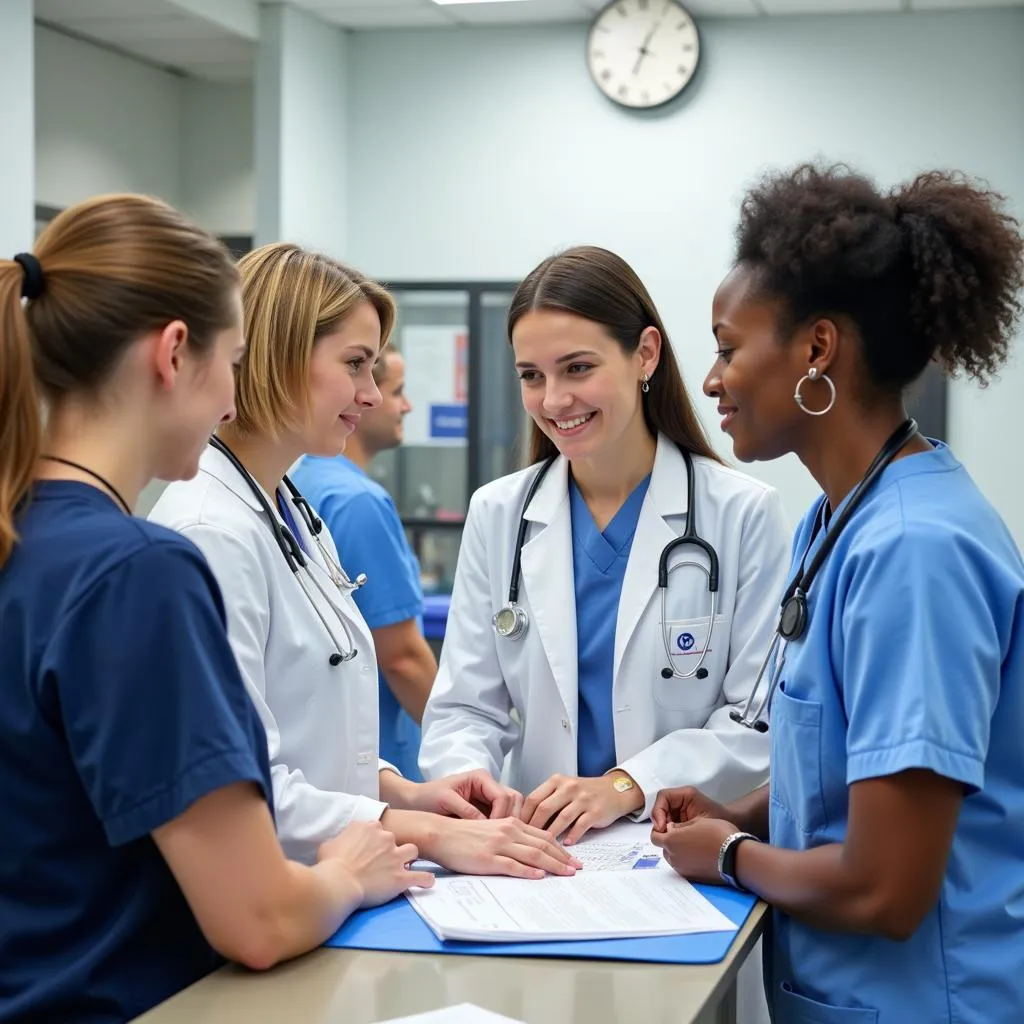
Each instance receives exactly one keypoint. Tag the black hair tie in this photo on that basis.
(33, 282)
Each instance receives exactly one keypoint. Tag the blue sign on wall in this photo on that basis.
(449, 421)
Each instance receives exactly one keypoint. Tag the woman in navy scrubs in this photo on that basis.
(135, 805)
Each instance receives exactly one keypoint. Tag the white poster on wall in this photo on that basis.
(436, 383)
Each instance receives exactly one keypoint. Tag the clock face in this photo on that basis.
(643, 53)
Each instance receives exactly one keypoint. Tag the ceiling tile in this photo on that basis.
(932, 5)
(829, 6)
(323, 7)
(62, 11)
(722, 8)
(522, 12)
(366, 16)
(123, 31)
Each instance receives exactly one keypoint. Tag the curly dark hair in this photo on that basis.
(931, 270)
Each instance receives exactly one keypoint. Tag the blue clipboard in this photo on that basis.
(396, 927)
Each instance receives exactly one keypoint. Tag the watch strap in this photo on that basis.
(727, 857)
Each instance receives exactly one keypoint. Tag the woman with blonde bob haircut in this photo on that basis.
(135, 792)
(315, 330)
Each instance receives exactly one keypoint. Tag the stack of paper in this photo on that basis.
(613, 897)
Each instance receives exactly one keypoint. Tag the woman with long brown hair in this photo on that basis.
(563, 651)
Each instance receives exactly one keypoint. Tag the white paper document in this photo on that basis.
(625, 846)
(464, 1013)
(612, 897)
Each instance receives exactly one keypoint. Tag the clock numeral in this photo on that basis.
(603, 28)
(643, 4)
(623, 91)
(684, 69)
(687, 47)
(597, 53)
(606, 75)
(682, 26)
(622, 10)
(645, 96)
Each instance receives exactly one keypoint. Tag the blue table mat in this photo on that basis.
(396, 927)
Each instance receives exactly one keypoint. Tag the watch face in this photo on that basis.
(643, 53)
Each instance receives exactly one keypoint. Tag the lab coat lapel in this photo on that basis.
(548, 580)
(666, 497)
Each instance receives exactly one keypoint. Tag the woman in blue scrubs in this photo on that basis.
(135, 796)
(889, 840)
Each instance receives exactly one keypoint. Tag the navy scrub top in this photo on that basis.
(120, 705)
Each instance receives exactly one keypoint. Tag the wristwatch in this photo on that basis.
(622, 783)
(727, 858)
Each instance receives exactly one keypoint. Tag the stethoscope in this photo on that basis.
(293, 554)
(511, 620)
(793, 613)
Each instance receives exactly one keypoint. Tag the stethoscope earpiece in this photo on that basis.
(667, 673)
(335, 660)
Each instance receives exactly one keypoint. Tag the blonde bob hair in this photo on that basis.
(290, 299)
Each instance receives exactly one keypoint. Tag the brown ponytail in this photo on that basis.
(19, 404)
(114, 268)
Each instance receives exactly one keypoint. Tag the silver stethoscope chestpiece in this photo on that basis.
(510, 622)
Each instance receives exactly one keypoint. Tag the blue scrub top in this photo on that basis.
(913, 658)
(122, 705)
(599, 566)
(368, 534)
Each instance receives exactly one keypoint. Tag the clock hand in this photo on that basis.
(650, 35)
(644, 52)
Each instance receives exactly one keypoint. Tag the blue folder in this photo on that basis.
(396, 927)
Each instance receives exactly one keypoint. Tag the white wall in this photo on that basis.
(104, 123)
(218, 185)
(476, 153)
(16, 165)
(302, 132)
(108, 123)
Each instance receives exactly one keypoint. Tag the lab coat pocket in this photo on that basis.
(687, 639)
(792, 1008)
(796, 761)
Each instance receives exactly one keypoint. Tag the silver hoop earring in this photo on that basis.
(812, 375)
(645, 385)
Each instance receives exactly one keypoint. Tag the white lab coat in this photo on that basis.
(320, 720)
(668, 733)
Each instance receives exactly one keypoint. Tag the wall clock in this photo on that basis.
(643, 53)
